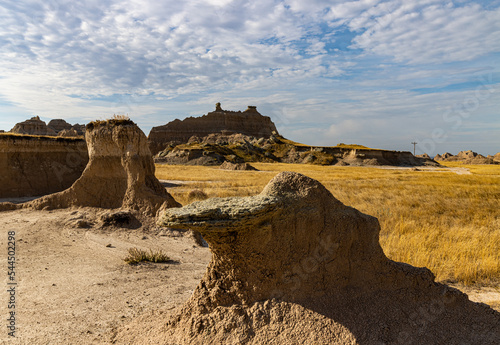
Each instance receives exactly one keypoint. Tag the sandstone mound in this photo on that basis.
(236, 166)
(120, 173)
(33, 126)
(294, 265)
(495, 158)
(425, 156)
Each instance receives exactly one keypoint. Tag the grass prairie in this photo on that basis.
(437, 218)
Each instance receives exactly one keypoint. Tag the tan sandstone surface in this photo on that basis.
(34, 166)
(468, 157)
(73, 286)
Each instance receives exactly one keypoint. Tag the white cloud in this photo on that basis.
(428, 32)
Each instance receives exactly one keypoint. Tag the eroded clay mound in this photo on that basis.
(294, 265)
(236, 166)
(120, 173)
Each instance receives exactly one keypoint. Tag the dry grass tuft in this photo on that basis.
(196, 194)
(447, 222)
(136, 256)
(115, 120)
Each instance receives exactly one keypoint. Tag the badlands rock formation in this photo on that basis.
(466, 157)
(35, 126)
(215, 149)
(34, 166)
(119, 174)
(294, 265)
(236, 166)
(496, 157)
(249, 122)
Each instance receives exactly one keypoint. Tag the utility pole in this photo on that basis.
(414, 144)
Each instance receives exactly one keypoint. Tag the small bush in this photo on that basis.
(136, 255)
(196, 194)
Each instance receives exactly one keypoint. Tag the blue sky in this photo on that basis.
(380, 73)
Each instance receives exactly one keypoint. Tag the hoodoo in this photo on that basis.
(294, 265)
(120, 173)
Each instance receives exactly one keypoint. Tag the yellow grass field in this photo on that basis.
(439, 219)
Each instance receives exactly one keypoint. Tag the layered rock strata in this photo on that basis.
(249, 122)
(119, 174)
(294, 265)
(34, 166)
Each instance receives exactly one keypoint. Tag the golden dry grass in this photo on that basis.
(447, 222)
(8, 135)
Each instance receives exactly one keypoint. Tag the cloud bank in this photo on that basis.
(326, 71)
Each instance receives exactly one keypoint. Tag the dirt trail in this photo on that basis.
(73, 289)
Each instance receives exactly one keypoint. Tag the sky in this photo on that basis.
(380, 73)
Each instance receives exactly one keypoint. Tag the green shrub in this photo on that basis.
(136, 255)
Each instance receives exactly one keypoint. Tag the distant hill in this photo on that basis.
(468, 157)
(57, 127)
(249, 122)
(216, 149)
(238, 137)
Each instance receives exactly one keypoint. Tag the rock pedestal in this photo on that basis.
(120, 173)
(294, 265)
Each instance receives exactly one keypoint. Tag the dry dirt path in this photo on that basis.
(73, 289)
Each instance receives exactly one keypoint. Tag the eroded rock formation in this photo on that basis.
(58, 125)
(119, 174)
(236, 166)
(294, 265)
(249, 122)
(495, 157)
(35, 126)
(34, 166)
(215, 149)
(466, 157)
